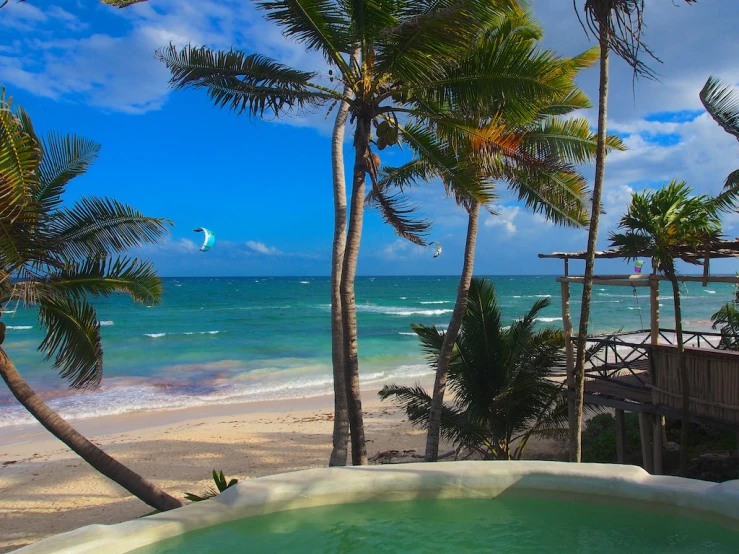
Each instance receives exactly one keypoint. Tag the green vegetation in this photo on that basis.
(56, 258)
(500, 377)
(221, 485)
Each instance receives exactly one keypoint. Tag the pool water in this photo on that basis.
(502, 525)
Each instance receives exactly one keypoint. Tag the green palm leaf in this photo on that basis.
(722, 103)
(65, 157)
(396, 211)
(20, 155)
(96, 277)
(320, 24)
(244, 83)
(100, 226)
(421, 47)
(72, 339)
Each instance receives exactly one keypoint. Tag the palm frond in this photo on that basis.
(319, 24)
(72, 339)
(421, 47)
(396, 211)
(727, 198)
(244, 83)
(65, 157)
(721, 101)
(455, 425)
(99, 226)
(20, 155)
(122, 3)
(100, 277)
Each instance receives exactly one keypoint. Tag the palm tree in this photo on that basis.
(56, 258)
(406, 54)
(532, 155)
(501, 378)
(663, 223)
(618, 25)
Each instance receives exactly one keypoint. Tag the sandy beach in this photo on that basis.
(46, 489)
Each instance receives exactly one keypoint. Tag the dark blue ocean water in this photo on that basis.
(228, 340)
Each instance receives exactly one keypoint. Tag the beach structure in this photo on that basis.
(637, 370)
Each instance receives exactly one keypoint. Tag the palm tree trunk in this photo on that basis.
(348, 304)
(683, 371)
(576, 410)
(341, 409)
(99, 460)
(450, 337)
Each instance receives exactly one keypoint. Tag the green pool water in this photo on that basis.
(503, 525)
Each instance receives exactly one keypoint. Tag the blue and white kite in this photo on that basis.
(210, 239)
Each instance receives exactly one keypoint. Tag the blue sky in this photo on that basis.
(264, 187)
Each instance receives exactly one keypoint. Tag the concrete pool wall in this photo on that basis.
(320, 487)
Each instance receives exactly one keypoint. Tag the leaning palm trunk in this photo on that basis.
(99, 460)
(341, 410)
(683, 372)
(576, 406)
(362, 163)
(450, 337)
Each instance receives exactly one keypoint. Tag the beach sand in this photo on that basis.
(46, 489)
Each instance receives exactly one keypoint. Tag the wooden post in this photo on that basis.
(657, 444)
(569, 352)
(645, 430)
(620, 437)
(654, 310)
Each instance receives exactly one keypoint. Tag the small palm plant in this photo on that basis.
(664, 223)
(502, 379)
(728, 319)
(55, 258)
(221, 484)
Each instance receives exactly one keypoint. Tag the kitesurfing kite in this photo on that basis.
(438, 249)
(210, 239)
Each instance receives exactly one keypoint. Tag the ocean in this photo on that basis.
(232, 340)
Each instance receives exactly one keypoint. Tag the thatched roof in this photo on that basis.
(718, 249)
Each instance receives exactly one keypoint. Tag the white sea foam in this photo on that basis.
(435, 302)
(19, 327)
(404, 298)
(304, 282)
(155, 335)
(7, 311)
(543, 295)
(710, 291)
(401, 311)
(107, 323)
(407, 334)
(548, 319)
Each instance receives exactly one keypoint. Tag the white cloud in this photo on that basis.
(263, 248)
(505, 215)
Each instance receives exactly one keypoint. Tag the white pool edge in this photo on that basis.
(326, 486)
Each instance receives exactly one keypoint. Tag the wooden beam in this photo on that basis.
(654, 311)
(643, 280)
(620, 437)
(645, 429)
(657, 444)
(569, 351)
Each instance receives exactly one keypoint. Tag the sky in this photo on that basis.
(264, 187)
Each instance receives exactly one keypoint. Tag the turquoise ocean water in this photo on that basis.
(230, 340)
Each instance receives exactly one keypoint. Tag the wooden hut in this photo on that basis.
(637, 371)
